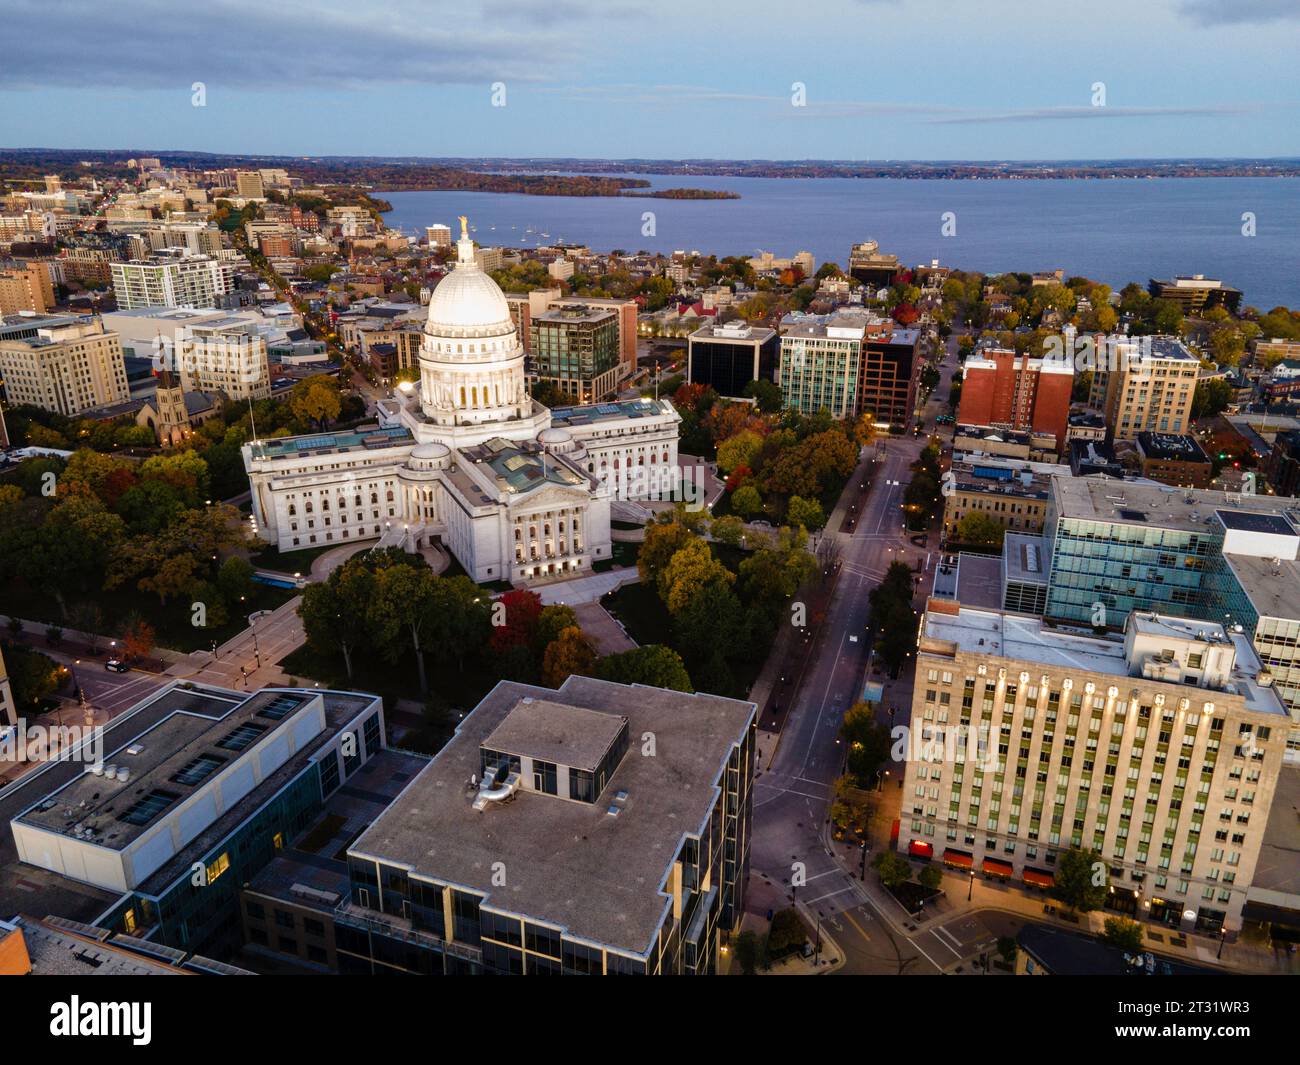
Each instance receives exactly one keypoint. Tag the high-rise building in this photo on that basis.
(1005, 390)
(68, 366)
(249, 185)
(545, 838)
(1147, 385)
(173, 279)
(1160, 750)
(438, 236)
(727, 357)
(819, 362)
(227, 356)
(26, 288)
(575, 348)
(889, 373)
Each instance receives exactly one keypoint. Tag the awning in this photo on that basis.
(920, 849)
(1038, 878)
(958, 859)
(893, 833)
(997, 867)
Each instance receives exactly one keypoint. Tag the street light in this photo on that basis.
(1223, 935)
(970, 888)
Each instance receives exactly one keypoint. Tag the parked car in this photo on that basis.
(116, 665)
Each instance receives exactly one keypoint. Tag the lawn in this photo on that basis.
(172, 623)
(641, 611)
(289, 562)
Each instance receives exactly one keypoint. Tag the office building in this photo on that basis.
(1145, 385)
(1005, 390)
(889, 373)
(1196, 294)
(819, 363)
(198, 789)
(575, 349)
(66, 366)
(438, 236)
(1160, 750)
(26, 288)
(729, 356)
(547, 838)
(1011, 493)
(173, 279)
(1176, 460)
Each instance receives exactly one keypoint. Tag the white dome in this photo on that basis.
(554, 435)
(432, 450)
(467, 299)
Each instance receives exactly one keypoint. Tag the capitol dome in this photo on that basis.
(467, 302)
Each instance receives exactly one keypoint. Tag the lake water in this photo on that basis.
(1113, 231)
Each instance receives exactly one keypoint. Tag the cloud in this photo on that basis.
(1237, 12)
(244, 44)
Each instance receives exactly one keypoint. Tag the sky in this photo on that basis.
(840, 79)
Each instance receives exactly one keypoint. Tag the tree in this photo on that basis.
(748, 951)
(235, 580)
(978, 528)
(728, 529)
(520, 610)
(334, 612)
(891, 869)
(739, 450)
(138, 638)
(1123, 933)
(1210, 398)
(806, 513)
(930, 877)
(552, 621)
(316, 399)
(765, 394)
(33, 677)
(688, 572)
(787, 934)
(400, 611)
(654, 664)
(1008, 948)
(868, 742)
(460, 619)
(663, 539)
(569, 653)
(746, 501)
(1081, 880)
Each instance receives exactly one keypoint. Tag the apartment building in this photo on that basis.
(575, 348)
(1012, 493)
(1146, 385)
(26, 287)
(65, 365)
(1005, 390)
(1159, 750)
(173, 278)
(539, 799)
(227, 355)
(889, 373)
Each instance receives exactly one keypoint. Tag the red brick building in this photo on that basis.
(1001, 388)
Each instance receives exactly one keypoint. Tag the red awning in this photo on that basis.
(893, 833)
(1038, 878)
(960, 859)
(919, 849)
(997, 867)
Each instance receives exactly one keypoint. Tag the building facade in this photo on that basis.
(1005, 390)
(727, 357)
(1146, 386)
(1159, 751)
(173, 279)
(68, 366)
(574, 348)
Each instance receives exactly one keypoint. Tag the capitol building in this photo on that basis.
(468, 460)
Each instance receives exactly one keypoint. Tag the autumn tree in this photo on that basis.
(569, 653)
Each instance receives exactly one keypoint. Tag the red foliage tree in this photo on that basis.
(519, 610)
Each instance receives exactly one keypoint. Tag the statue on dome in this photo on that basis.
(464, 228)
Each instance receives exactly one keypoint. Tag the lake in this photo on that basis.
(1113, 231)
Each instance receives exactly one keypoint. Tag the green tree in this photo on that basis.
(654, 664)
(1123, 933)
(334, 612)
(1081, 880)
(806, 513)
(739, 450)
(978, 528)
(316, 399)
(891, 869)
(766, 395)
(728, 529)
(746, 501)
(689, 571)
(930, 877)
(400, 612)
(868, 743)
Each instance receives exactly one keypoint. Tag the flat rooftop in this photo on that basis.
(1272, 587)
(556, 732)
(1170, 447)
(570, 864)
(1027, 639)
(1025, 557)
(1277, 874)
(592, 413)
(321, 444)
(166, 764)
(1147, 504)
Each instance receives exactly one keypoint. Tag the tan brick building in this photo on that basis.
(1160, 751)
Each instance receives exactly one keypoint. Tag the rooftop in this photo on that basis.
(593, 413)
(1271, 584)
(570, 863)
(521, 467)
(1136, 503)
(1171, 448)
(1025, 557)
(322, 444)
(1028, 639)
(555, 732)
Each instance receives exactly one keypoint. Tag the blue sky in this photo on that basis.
(884, 79)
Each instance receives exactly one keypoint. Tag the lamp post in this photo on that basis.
(257, 651)
(970, 886)
(1223, 935)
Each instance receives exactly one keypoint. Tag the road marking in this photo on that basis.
(861, 931)
(829, 894)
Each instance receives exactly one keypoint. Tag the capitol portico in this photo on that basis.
(468, 460)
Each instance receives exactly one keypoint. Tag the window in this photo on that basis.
(145, 810)
(198, 769)
(242, 736)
